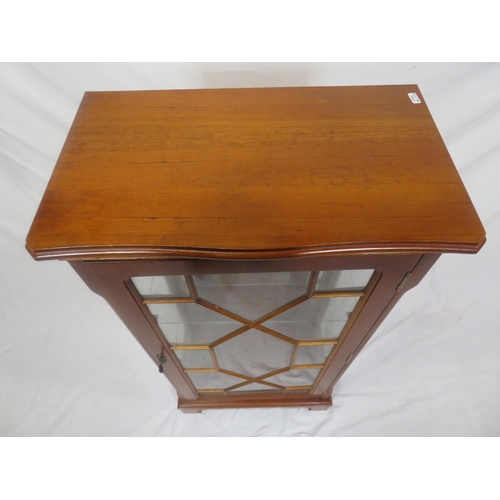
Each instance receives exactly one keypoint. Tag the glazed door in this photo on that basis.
(254, 333)
(239, 333)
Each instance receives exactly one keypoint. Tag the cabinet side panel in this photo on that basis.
(352, 348)
(109, 282)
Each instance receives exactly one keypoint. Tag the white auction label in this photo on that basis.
(414, 98)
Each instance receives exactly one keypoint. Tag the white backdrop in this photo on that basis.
(68, 366)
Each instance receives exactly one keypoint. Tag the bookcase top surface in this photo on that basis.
(254, 173)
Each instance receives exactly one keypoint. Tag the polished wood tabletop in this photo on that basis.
(257, 173)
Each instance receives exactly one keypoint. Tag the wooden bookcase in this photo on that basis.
(252, 240)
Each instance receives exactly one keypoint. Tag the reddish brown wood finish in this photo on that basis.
(262, 401)
(192, 182)
(253, 173)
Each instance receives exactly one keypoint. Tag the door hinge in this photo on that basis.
(403, 282)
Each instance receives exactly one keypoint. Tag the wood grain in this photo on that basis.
(253, 173)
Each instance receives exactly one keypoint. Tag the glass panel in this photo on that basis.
(252, 295)
(191, 323)
(165, 286)
(254, 279)
(253, 353)
(213, 380)
(306, 330)
(313, 354)
(314, 319)
(294, 377)
(329, 281)
(195, 358)
(255, 387)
